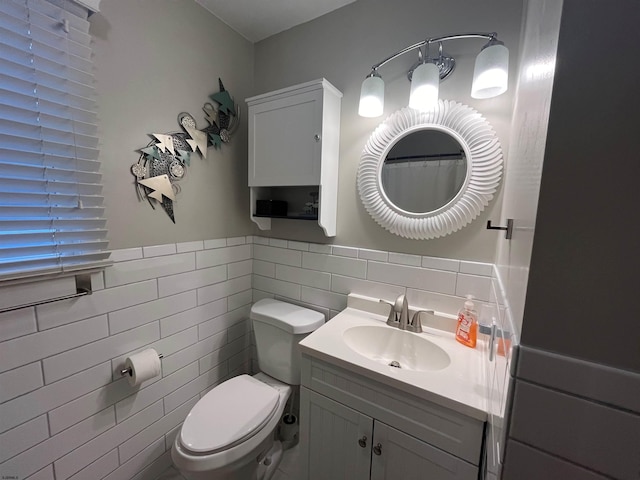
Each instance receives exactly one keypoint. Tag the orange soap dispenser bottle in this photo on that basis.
(467, 329)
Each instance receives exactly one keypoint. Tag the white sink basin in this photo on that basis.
(396, 348)
(433, 366)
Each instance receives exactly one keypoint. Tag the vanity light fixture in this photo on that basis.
(490, 76)
(372, 96)
(425, 82)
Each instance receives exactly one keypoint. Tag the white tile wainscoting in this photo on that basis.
(321, 276)
(66, 413)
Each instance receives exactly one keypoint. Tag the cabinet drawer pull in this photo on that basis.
(316, 137)
(362, 441)
(377, 449)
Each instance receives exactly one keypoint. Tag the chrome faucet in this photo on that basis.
(398, 312)
(402, 307)
(392, 320)
(416, 325)
(399, 315)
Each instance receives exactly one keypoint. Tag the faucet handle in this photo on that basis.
(416, 325)
(393, 317)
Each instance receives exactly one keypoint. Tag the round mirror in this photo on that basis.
(427, 174)
(423, 171)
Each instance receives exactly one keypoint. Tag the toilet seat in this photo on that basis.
(228, 415)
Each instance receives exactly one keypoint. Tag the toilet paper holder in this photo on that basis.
(127, 371)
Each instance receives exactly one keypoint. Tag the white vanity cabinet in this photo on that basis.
(339, 439)
(294, 136)
(355, 428)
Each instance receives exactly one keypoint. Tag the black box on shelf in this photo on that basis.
(271, 207)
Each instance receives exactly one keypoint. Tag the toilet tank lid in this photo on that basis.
(288, 317)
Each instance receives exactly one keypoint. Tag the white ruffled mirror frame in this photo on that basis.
(484, 170)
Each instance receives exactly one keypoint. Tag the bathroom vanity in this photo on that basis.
(362, 418)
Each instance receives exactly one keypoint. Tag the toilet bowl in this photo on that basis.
(233, 442)
(230, 433)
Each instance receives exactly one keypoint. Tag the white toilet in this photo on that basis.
(230, 433)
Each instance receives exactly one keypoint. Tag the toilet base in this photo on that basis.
(262, 470)
(270, 462)
(239, 470)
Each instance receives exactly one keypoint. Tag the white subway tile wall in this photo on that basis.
(498, 371)
(373, 254)
(304, 246)
(20, 381)
(159, 250)
(65, 411)
(320, 276)
(276, 242)
(344, 251)
(405, 259)
(17, 323)
(147, 268)
(21, 294)
(190, 246)
(126, 254)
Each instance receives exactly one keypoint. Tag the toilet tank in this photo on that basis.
(278, 327)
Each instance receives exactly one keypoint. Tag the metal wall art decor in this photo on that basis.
(164, 161)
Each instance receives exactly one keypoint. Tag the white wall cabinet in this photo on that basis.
(354, 428)
(294, 137)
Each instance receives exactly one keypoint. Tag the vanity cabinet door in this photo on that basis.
(397, 455)
(285, 146)
(335, 440)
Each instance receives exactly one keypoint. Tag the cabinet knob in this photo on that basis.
(316, 137)
(377, 449)
(362, 441)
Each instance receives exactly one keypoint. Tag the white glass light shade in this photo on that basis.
(425, 82)
(371, 97)
(491, 73)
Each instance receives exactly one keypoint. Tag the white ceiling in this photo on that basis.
(258, 19)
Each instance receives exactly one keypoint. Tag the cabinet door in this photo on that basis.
(285, 141)
(397, 455)
(335, 440)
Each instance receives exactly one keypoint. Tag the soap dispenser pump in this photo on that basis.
(467, 329)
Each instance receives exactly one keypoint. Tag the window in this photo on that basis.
(51, 208)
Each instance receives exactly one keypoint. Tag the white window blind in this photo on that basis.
(51, 208)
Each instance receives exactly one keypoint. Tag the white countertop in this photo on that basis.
(461, 386)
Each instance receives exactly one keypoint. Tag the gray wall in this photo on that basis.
(576, 408)
(341, 46)
(583, 280)
(153, 60)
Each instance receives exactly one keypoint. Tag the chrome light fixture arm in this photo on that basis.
(398, 54)
(490, 75)
(491, 36)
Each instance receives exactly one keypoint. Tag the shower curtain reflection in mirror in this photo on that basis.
(423, 183)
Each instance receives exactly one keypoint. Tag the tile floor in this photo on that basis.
(287, 470)
(170, 474)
